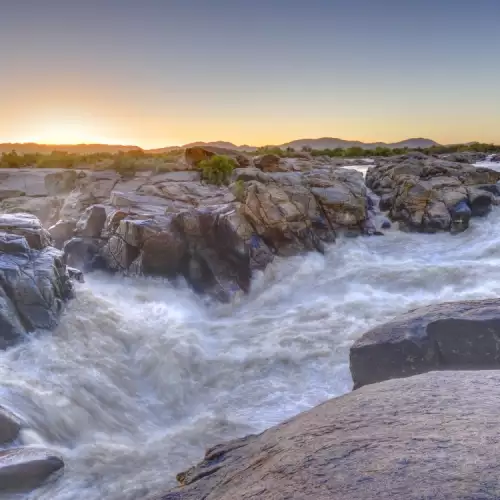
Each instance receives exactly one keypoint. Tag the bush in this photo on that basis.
(217, 169)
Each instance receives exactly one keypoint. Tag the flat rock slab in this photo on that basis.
(433, 436)
(449, 336)
(25, 469)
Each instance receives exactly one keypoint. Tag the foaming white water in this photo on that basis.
(141, 376)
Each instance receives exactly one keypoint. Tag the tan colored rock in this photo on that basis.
(62, 231)
(92, 222)
(46, 209)
(432, 436)
(28, 226)
(270, 163)
(22, 470)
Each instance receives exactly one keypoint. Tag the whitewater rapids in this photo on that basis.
(142, 376)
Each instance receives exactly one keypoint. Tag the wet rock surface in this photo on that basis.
(24, 469)
(430, 436)
(449, 336)
(34, 284)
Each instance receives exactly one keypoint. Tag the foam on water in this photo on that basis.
(142, 376)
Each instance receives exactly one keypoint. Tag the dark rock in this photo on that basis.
(433, 436)
(75, 274)
(9, 426)
(386, 224)
(460, 217)
(450, 336)
(34, 286)
(84, 253)
(25, 469)
(480, 202)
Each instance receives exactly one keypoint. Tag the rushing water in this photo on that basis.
(141, 376)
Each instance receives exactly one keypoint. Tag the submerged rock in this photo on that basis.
(450, 336)
(25, 469)
(430, 436)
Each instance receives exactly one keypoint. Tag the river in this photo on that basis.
(141, 376)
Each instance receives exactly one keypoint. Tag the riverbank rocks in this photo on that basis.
(428, 194)
(25, 469)
(430, 436)
(34, 284)
(449, 336)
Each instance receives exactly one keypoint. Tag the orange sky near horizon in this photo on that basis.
(361, 70)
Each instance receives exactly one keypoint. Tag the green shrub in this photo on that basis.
(217, 169)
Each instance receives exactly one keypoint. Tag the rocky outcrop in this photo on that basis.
(450, 336)
(216, 236)
(428, 194)
(34, 284)
(393, 440)
(25, 469)
(469, 157)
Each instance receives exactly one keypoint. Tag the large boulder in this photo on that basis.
(430, 436)
(24, 469)
(449, 336)
(270, 163)
(422, 193)
(34, 283)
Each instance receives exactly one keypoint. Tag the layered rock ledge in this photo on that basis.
(449, 336)
(430, 436)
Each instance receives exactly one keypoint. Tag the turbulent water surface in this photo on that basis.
(141, 376)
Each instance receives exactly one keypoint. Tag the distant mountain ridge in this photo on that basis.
(321, 143)
(33, 148)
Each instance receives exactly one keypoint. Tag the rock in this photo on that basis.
(432, 436)
(9, 426)
(61, 182)
(450, 336)
(62, 231)
(460, 217)
(92, 222)
(465, 157)
(196, 154)
(25, 469)
(34, 287)
(46, 209)
(84, 253)
(26, 225)
(75, 274)
(423, 192)
(495, 158)
(269, 163)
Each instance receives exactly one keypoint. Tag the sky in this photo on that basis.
(165, 72)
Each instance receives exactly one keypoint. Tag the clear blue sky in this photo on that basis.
(160, 72)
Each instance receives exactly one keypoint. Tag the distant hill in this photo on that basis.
(215, 144)
(333, 143)
(322, 143)
(32, 148)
